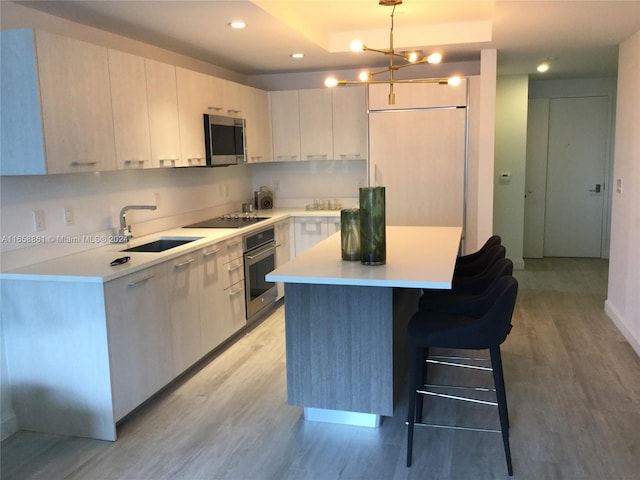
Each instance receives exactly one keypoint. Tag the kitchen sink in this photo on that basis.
(161, 244)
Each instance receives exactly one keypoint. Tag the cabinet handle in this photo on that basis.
(233, 112)
(128, 163)
(75, 163)
(257, 157)
(287, 157)
(320, 156)
(168, 162)
(133, 283)
(195, 160)
(212, 252)
(349, 155)
(217, 109)
(184, 264)
(231, 269)
(235, 292)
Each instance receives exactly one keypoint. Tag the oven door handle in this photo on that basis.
(263, 252)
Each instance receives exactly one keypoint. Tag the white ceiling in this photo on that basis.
(579, 38)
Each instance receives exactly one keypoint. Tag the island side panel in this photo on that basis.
(57, 357)
(339, 343)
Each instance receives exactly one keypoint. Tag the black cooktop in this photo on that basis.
(239, 220)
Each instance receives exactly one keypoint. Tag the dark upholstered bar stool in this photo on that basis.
(479, 324)
(480, 264)
(472, 257)
(465, 288)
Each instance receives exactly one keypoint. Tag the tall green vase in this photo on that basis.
(373, 239)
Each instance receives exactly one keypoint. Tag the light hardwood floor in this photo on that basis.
(573, 386)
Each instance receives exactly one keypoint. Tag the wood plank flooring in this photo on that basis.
(573, 386)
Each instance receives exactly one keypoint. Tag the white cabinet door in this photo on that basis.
(234, 284)
(316, 124)
(139, 337)
(283, 248)
(197, 93)
(308, 231)
(215, 313)
(164, 126)
(184, 304)
(349, 123)
(258, 132)
(130, 110)
(417, 95)
(233, 102)
(76, 104)
(285, 125)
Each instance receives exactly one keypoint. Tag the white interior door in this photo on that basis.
(577, 158)
(419, 157)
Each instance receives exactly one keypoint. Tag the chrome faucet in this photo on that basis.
(124, 234)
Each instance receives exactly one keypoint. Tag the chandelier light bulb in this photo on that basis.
(454, 81)
(357, 46)
(330, 82)
(412, 57)
(237, 24)
(434, 58)
(364, 76)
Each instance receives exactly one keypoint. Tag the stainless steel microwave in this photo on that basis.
(224, 140)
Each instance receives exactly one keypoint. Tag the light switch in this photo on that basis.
(619, 185)
(38, 220)
(68, 215)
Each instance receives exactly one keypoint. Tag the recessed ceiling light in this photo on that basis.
(543, 67)
(297, 55)
(237, 24)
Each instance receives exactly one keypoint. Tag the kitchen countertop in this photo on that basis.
(417, 257)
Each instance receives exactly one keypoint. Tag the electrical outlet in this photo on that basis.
(68, 215)
(38, 220)
(619, 185)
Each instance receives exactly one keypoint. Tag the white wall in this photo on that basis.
(510, 156)
(623, 299)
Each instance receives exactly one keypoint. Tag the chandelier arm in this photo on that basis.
(398, 67)
(384, 52)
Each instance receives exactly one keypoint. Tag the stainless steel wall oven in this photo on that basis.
(259, 260)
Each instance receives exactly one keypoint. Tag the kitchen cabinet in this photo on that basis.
(308, 231)
(258, 131)
(417, 95)
(285, 125)
(234, 284)
(232, 99)
(349, 109)
(283, 248)
(316, 124)
(164, 125)
(139, 337)
(56, 105)
(130, 110)
(197, 92)
(184, 286)
(215, 319)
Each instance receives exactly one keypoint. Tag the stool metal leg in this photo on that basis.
(498, 378)
(415, 381)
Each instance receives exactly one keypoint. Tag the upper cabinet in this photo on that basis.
(196, 93)
(284, 106)
(319, 124)
(164, 126)
(56, 106)
(258, 131)
(316, 124)
(417, 95)
(130, 110)
(349, 123)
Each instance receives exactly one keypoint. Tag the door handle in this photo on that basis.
(597, 189)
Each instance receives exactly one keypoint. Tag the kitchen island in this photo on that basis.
(346, 322)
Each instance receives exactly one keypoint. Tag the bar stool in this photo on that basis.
(465, 288)
(480, 263)
(472, 325)
(471, 257)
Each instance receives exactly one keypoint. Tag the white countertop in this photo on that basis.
(417, 257)
(93, 265)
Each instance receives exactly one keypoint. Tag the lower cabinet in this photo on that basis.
(308, 231)
(214, 310)
(184, 306)
(139, 337)
(234, 285)
(283, 249)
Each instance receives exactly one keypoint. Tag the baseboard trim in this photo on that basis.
(618, 321)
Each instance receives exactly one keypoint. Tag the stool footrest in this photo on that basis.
(457, 397)
(455, 427)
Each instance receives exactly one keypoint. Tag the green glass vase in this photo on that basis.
(373, 239)
(350, 233)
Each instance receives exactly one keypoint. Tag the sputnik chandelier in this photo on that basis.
(411, 59)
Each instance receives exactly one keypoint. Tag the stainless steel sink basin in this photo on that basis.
(161, 244)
